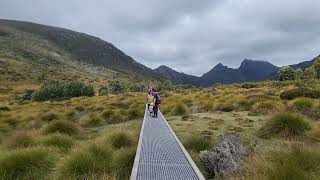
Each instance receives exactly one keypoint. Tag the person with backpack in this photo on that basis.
(150, 101)
(157, 101)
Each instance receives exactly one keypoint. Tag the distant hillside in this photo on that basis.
(178, 78)
(57, 45)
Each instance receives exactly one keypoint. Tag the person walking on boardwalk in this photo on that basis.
(156, 103)
(150, 100)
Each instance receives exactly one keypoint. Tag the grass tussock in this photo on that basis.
(62, 126)
(95, 159)
(91, 120)
(301, 162)
(121, 139)
(123, 162)
(179, 109)
(50, 116)
(196, 144)
(302, 104)
(114, 116)
(266, 107)
(25, 164)
(63, 142)
(285, 125)
(20, 140)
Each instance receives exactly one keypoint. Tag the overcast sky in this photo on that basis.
(188, 35)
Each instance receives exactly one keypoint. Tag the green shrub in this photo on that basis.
(55, 90)
(33, 163)
(121, 139)
(196, 144)
(123, 163)
(62, 126)
(90, 120)
(302, 104)
(20, 140)
(179, 109)
(300, 92)
(86, 162)
(60, 141)
(286, 125)
(116, 87)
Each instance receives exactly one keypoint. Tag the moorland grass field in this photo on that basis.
(95, 137)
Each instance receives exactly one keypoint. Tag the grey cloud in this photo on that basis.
(190, 36)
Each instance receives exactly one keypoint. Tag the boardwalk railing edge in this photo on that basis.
(137, 157)
(193, 165)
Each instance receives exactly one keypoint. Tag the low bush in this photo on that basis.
(89, 161)
(300, 92)
(286, 125)
(60, 141)
(91, 120)
(30, 163)
(179, 109)
(225, 159)
(55, 90)
(62, 126)
(121, 139)
(196, 144)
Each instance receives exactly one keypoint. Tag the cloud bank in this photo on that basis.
(189, 36)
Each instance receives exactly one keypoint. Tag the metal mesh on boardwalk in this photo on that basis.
(160, 155)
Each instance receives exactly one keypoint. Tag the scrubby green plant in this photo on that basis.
(179, 109)
(90, 120)
(123, 163)
(86, 162)
(60, 141)
(55, 90)
(286, 73)
(196, 144)
(116, 87)
(29, 163)
(303, 104)
(300, 92)
(286, 125)
(121, 139)
(62, 126)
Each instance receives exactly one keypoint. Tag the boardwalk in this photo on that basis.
(160, 155)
